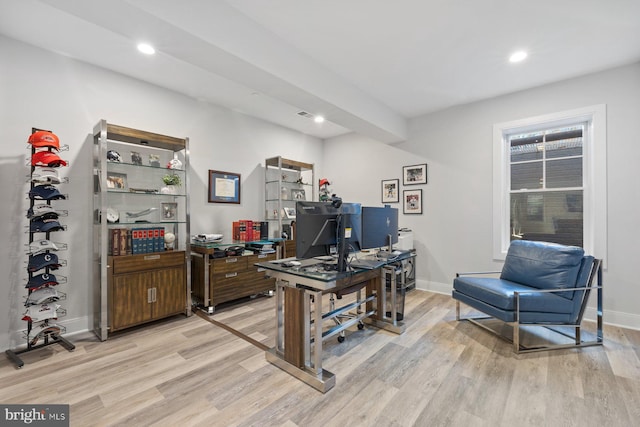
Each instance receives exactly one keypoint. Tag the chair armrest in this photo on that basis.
(534, 291)
(583, 303)
(477, 273)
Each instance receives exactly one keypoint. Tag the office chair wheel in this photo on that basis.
(360, 326)
(340, 338)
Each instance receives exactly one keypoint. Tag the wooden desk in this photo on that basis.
(299, 337)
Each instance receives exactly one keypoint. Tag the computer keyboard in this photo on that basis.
(390, 255)
(367, 264)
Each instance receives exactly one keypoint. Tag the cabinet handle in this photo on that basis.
(150, 295)
(155, 294)
(230, 275)
(151, 257)
(262, 256)
(231, 260)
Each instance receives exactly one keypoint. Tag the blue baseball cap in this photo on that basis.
(41, 261)
(45, 192)
(41, 280)
(44, 225)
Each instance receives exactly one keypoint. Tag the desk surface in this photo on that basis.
(311, 273)
(208, 247)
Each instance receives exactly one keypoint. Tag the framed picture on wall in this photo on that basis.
(224, 187)
(415, 174)
(412, 202)
(390, 191)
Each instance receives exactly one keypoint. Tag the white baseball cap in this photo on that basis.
(45, 176)
(51, 330)
(40, 210)
(42, 295)
(40, 246)
(39, 312)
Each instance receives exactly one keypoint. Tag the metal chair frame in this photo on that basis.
(595, 274)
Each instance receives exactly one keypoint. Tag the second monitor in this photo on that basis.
(379, 224)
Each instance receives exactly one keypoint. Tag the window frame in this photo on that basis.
(594, 171)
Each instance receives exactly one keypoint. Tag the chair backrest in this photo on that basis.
(543, 265)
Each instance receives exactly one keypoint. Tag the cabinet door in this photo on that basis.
(131, 299)
(170, 292)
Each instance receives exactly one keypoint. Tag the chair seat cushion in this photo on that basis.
(499, 293)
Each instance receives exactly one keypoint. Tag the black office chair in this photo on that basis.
(338, 295)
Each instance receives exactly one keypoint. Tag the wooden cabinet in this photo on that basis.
(141, 227)
(145, 288)
(228, 278)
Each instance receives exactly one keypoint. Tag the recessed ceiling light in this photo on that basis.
(146, 48)
(318, 119)
(518, 56)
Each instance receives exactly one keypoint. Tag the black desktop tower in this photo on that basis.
(286, 229)
(264, 230)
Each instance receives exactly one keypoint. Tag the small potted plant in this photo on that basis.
(171, 181)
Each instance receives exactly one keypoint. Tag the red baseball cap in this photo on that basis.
(43, 138)
(47, 158)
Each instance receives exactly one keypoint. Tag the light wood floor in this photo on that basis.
(190, 372)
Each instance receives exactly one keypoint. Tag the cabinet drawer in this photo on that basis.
(229, 288)
(240, 286)
(132, 263)
(228, 264)
(260, 258)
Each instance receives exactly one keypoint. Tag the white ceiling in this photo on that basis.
(367, 65)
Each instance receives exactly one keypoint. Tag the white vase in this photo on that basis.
(169, 189)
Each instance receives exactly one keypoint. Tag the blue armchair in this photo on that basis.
(541, 284)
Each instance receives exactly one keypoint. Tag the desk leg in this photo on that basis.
(292, 352)
(207, 289)
(201, 274)
(380, 319)
(391, 272)
(317, 329)
(279, 316)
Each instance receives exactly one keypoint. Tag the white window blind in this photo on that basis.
(546, 185)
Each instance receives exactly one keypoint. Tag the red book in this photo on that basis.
(235, 226)
(161, 239)
(248, 230)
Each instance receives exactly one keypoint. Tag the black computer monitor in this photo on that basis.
(378, 223)
(324, 229)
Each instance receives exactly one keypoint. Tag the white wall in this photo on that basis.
(45, 90)
(356, 165)
(455, 232)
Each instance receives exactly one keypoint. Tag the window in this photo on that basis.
(546, 185)
(548, 173)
